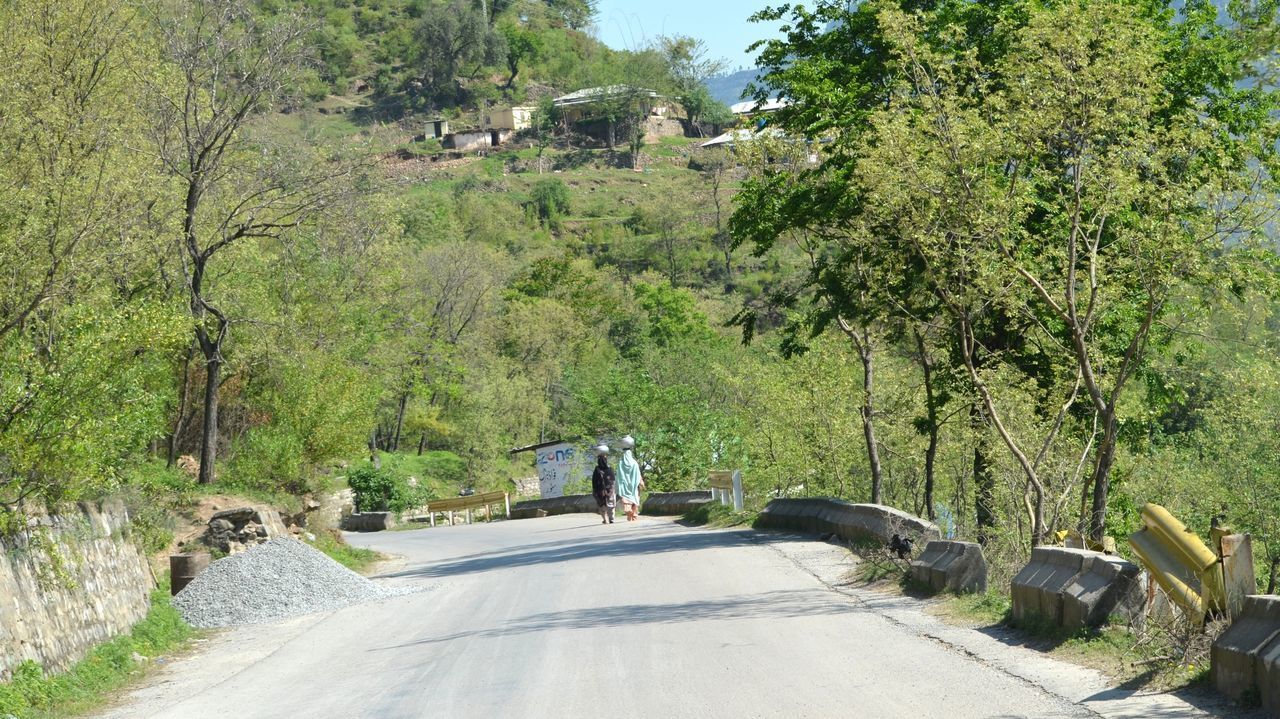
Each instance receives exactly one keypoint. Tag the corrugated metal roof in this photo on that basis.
(750, 106)
(733, 137)
(596, 94)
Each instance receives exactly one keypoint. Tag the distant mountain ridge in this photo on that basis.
(728, 88)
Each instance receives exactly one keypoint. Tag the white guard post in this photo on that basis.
(726, 484)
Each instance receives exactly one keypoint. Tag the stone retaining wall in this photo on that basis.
(68, 583)
(333, 509)
(853, 522)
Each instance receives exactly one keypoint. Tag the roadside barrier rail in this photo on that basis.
(1187, 570)
(466, 504)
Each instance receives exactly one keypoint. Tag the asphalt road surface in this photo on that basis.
(562, 617)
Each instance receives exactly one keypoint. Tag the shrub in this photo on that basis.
(269, 458)
(550, 199)
(379, 490)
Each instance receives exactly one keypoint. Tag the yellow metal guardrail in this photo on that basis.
(468, 503)
(1180, 562)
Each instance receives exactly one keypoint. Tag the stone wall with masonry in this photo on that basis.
(67, 583)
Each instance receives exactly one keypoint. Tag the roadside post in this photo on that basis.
(726, 486)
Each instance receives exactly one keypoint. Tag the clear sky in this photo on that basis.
(721, 24)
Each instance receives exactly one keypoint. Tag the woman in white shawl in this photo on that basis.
(629, 480)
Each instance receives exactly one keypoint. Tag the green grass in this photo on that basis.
(671, 146)
(31, 694)
(356, 559)
(985, 608)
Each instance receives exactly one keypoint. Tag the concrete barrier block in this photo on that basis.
(1268, 676)
(568, 504)
(852, 522)
(1037, 589)
(528, 513)
(671, 503)
(951, 566)
(1108, 585)
(811, 518)
(1249, 644)
(879, 523)
(369, 521)
(1238, 571)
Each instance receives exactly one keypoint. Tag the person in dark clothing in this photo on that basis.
(603, 485)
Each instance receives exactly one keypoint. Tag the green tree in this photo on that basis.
(689, 67)
(84, 335)
(451, 36)
(234, 188)
(523, 45)
(546, 117)
(1041, 186)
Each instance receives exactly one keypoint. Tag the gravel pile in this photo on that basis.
(278, 579)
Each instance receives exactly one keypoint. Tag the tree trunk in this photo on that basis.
(969, 346)
(868, 423)
(422, 444)
(1102, 476)
(180, 422)
(395, 435)
(209, 437)
(931, 410)
(984, 481)
(514, 67)
(1271, 576)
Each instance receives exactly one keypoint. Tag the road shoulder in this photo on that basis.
(996, 648)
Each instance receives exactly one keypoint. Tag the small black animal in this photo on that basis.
(900, 546)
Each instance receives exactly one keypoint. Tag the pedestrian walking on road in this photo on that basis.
(629, 480)
(604, 485)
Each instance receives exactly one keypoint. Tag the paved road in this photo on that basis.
(562, 617)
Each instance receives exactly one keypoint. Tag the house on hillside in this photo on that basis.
(733, 138)
(469, 140)
(511, 118)
(742, 134)
(751, 108)
(437, 128)
(594, 111)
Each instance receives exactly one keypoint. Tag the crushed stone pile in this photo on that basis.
(278, 579)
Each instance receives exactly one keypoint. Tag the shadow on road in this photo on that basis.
(769, 605)
(635, 542)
